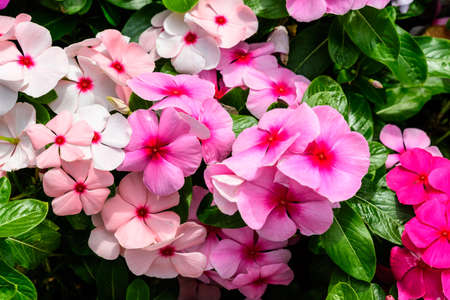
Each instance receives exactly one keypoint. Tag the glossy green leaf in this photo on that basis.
(140, 21)
(364, 290)
(24, 288)
(18, 217)
(46, 99)
(79, 221)
(168, 69)
(349, 244)
(309, 51)
(182, 209)
(342, 291)
(111, 13)
(342, 51)
(269, 9)
(42, 114)
(137, 102)
(112, 280)
(325, 91)
(437, 53)
(130, 4)
(69, 7)
(211, 215)
(138, 290)
(378, 155)
(360, 115)
(7, 289)
(5, 190)
(179, 6)
(236, 98)
(241, 122)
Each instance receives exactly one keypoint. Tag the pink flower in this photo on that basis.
(266, 89)
(254, 283)
(170, 258)
(280, 39)
(147, 40)
(136, 216)
(166, 149)
(228, 21)
(194, 289)
(103, 242)
(169, 90)
(336, 155)
(190, 48)
(3, 4)
(219, 85)
(76, 186)
(276, 132)
(237, 61)
(439, 180)
(65, 136)
(391, 136)
(242, 248)
(7, 25)
(410, 180)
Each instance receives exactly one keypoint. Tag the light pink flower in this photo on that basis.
(103, 242)
(254, 283)
(242, 248)
(147, 40)
(166, 149)
(391, 136)
(7, 25)
(280, 39)
(67, 139)
(76, 186)
(191, 289)
(276, 132)
(137, 216)
(172, 257)
(336, 155)
(266, 89)
(229, 22)
(237, 61)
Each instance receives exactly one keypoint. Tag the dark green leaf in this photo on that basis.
(236, 98)
(277, 104)
(140, 21)
(211, 215)
(182, 209)
(79, 221)
(7, 289)
(342, 291)
(168, 69)
(58, 25)
(345, 76)
(138, 290)
(130, 4)
(25, 289)
(360, 115)
(112, 280)
(5, 190)
(364, 290)
(437, 53)
(69, 7)
(18, 217)
(342, 51)
(111, 13)
(179, 6)
(241, 122)
(269, 9)
(137, 102)
(325, 91)
(349, 244)
(46, 99)
(378, 155)
(42, 114)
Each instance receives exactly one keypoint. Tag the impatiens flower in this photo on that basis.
(410, 180)
(111, 134)
(265, 89)
(86, 84)
(170, 258)
(77, 186)
(254, 283)
(336, 155)
(103, 242)
(391, 136)
(137, 216)
(16, 150)
(166, 149)
(430, 231)
(228, 21)
(67, 139)
(171, 90)
(194, 289)
(190, 48)
(237, 61)
(276, 132)
(7, 25)
(243, 248)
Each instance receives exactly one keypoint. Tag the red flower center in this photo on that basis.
(60, 140)
(142, 212)
(96, 138)
(167, 251)
(446, 234)
(116, 65)
(422, 179)
(80, 187)
(176, 91)
(85, 84)
(242, 57)
(281, 89)
(154, 149)
(190, 38)
(320, 155)
(260, 281)
(251, 253)
(221, 20)
(26, 61)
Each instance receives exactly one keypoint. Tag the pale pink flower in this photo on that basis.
(191, 289)
(280, 39)
(67, 138)
(147, 40)
(137, 216)
(166, 149)
(237, 61)
(190, 48)
(391, 136)
(77, 186)
(265, 89)
(7, 26)
(172, 257)
(253, 284)
(336, 155)
(229, 22)
(103, 242)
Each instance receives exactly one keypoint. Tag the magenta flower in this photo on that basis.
(3, 4)
(255, 282)
(336, 155)
(76, 186)
(242, 248)
(439, 179)
(166, 149)
(410, 180)
(391, 136)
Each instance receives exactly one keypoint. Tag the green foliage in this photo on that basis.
(342, 291)
(211, 215)
(130, 4)
(112, 280)
(15, 285)
(5, 190)
(241, 122)
(364, 290)
(179, 6)
(137, 102)
(437, 53)
(138, 290)
(270, 9)
(325, 91)
(140, 21)
(342, 51)
(360, 115)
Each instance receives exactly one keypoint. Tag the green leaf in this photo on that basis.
(111, 13)
(18, 217)
(58, 25)
(349, 244)
(130, 4)
(138, 290)
(269, 9)
(342, 51)
(5, 190)
(140, 21)
(437, 53)
(79, 221)
(42, 114)
(168, 69)
(309, 51)
(360, 115)
(25, 289)
(112, 280)
(277, 104)
(46, 99)
(182, 209)
(364, 290)
(377, 205)
(29, 249)
(325, 91)
(68, 7)
(180, 6)
(241, 122)
(7, 289)
(342, 291)
(236, 98)
(378, 155)
(211, 215)
(374, 33)
(137, 102)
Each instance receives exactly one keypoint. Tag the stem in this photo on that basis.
(442, 138)
(10, 140)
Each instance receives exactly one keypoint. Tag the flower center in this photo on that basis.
(282, 89)
(176, 91)
(221, 20)
(96, 138)
(320, 155)
(142, 212)
(26, 61)
(116, 65)
(260, 281)
(252, 253)
(242, 57)
(422, 179)
(167, 251)
(190, 38)
(85, 84)
(446, 234)
(80, 187)
(60, 140)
